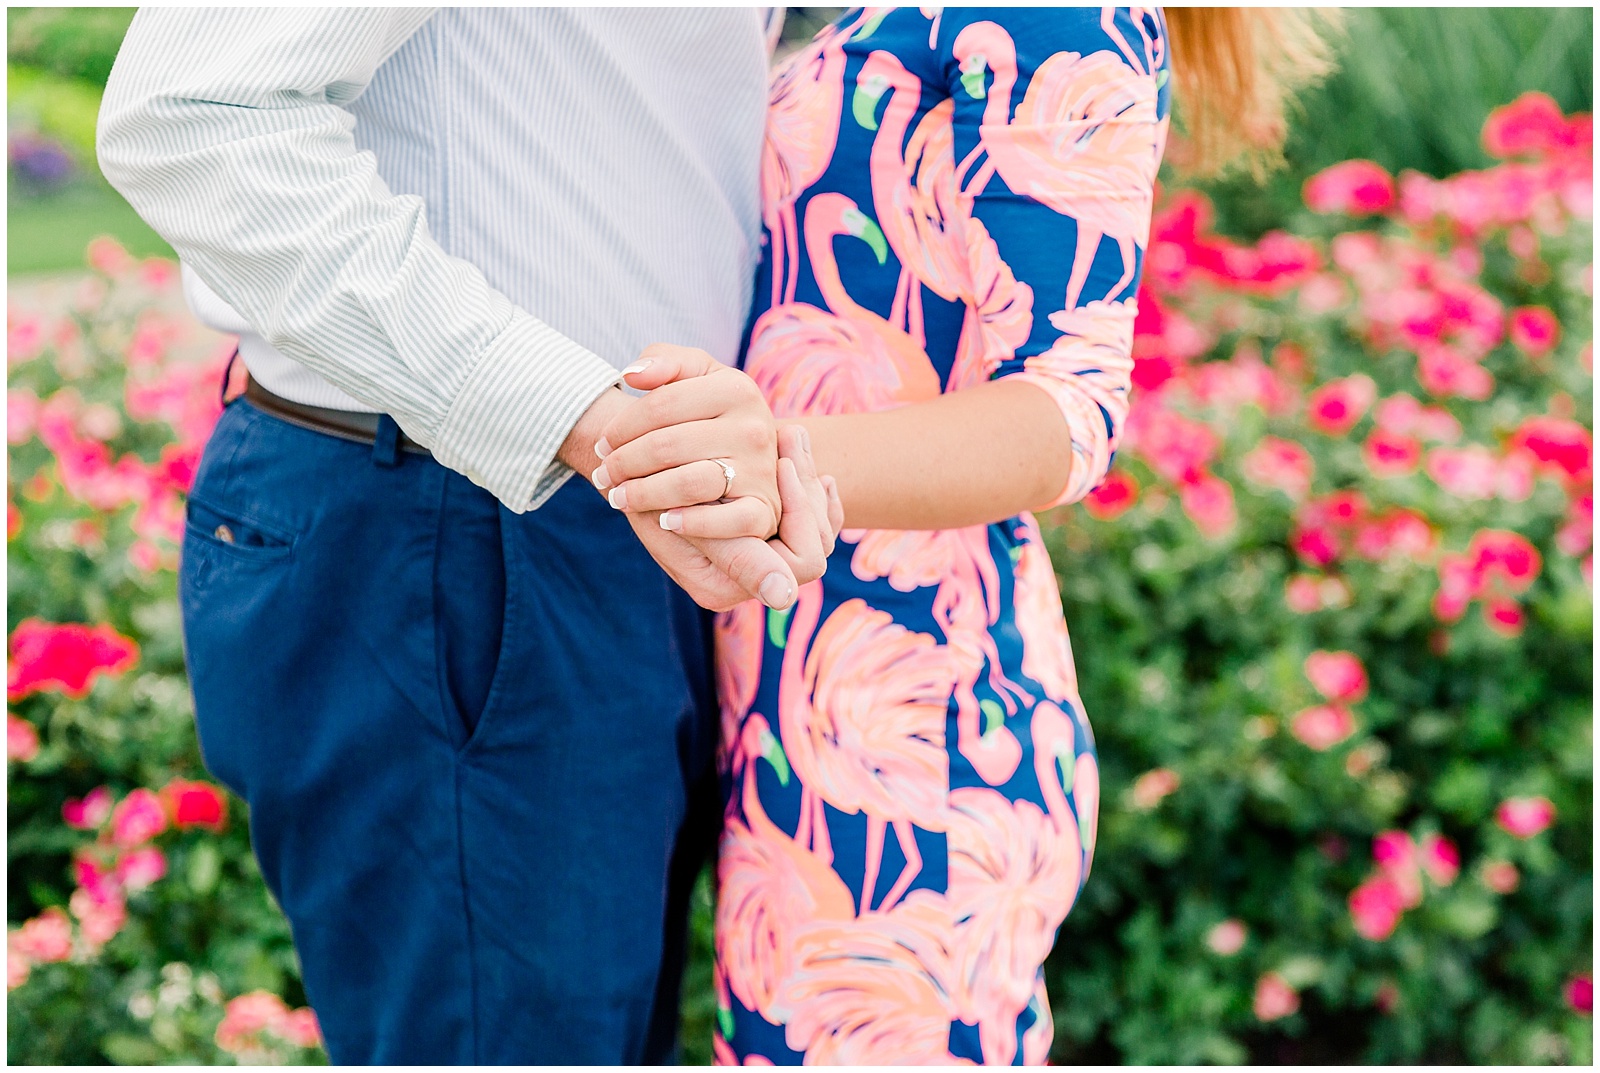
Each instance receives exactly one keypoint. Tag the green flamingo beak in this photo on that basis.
(861, 226)
(871, 25)
(772, 750)
(994, 716)
(864, 102)
(972, 76)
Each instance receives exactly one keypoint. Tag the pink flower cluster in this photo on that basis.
(248, 1019)
(1342, 680)
(64, 657)
(1497, 566)
(120, 861)
(1377, 905)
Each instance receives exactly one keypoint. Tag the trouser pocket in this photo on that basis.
(469, 593)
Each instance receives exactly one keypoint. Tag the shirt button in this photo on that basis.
(224, 534)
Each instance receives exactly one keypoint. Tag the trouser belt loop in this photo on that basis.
(386, 444)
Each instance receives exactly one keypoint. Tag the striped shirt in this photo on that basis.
(467, 218)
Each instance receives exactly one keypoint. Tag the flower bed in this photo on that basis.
(1333, 622)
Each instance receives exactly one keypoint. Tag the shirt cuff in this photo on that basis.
(519, 402)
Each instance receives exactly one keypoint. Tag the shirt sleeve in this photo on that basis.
(1059, 122)
(226, 128)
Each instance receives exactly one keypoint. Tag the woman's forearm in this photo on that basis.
(970, 457)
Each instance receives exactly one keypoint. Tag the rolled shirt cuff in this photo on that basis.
(521, 399)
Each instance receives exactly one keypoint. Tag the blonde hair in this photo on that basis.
(1235, 72)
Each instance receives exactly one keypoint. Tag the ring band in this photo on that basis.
(727, 476)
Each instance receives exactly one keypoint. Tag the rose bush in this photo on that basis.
(1331, 608)
(1333, 621)
(140, 930)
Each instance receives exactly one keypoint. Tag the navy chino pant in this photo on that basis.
(477, 746)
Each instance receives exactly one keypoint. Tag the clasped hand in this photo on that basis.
(662, 459)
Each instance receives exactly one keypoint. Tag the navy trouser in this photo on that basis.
(477, 746)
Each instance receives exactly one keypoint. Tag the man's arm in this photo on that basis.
(225, 129)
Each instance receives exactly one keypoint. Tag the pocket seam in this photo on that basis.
(245, 552)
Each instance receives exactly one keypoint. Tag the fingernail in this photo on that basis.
(636, 367)
(829, 485)
(805, 439)
(776, 592)
(600, 478)
(602, 447)
(671, 520)
(618, 497)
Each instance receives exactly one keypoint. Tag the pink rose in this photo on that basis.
(1375, 907)
(1502, 556)
(1441, 860)
(1389, 454)
(1503, 615)
(1564, 448)
(300, 1028)
(90, 811)
(101, 914)
(1113, 497)
(1208, 501)
(1335, 407)
(245, 1017)
(1274, 998)
(1322, 727)
(47, 937)
(141, 867)
(1501, 877)
(1534, 330)
(1338, 676)
(1280, 464)
(1303, 594)
(22, 740)
(1150, 788)
(1352, 187)
(1227, 938)
(138, 818)
(1580, 993)
(1524, 817)
(1530, 125)
(1395, 854)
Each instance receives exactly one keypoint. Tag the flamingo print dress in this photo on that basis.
(949, 196)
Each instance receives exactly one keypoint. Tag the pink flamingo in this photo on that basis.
(999, 315)
(1154, 47)
(966, 605)
(803, 110)
(738, 639)
(849, 360)
(913, 189)
(874, 991)
(1085, 141)
(1046, 648)
(769, 886)
(1014, 873)
(861, 715)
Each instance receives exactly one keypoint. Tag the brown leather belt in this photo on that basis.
(345, 424)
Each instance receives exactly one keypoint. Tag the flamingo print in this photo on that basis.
(1014, 872)
(913, 189)
(768, 887)
(1046, 649)
(738, 634)
(843, 360)
(1085, 141)
(802, 129)
(861, 716)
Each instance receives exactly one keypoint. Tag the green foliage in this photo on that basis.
(69, 42)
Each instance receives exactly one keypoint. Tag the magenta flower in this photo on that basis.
(1274, 998)
(88, 812)
(1440, 859)
(138, 818)
(22, 740)
(1580, 993)
(1376, 907)
(1228, 937)
(141, 867)
(1322, 727)
(1524, 817)
(1534, 330)
(1335, 407)
(47, 937)
(1353, 188)
(1338, 676)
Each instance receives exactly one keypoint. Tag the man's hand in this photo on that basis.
(659, 453)
(722, 573)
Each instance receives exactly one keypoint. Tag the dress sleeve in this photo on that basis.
(1059, 122)
(226, 129)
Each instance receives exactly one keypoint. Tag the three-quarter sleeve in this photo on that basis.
(226, 129)
(1059, 122)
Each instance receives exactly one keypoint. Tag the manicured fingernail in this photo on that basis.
(830, 485)
(618, 497)
(600, 478)
(776, 592)
(805, 439)
(602, 447)
(671, 520)
(636, 367)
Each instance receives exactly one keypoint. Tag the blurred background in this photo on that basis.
(1339, 666)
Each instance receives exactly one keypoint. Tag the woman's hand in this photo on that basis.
(661, 452)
